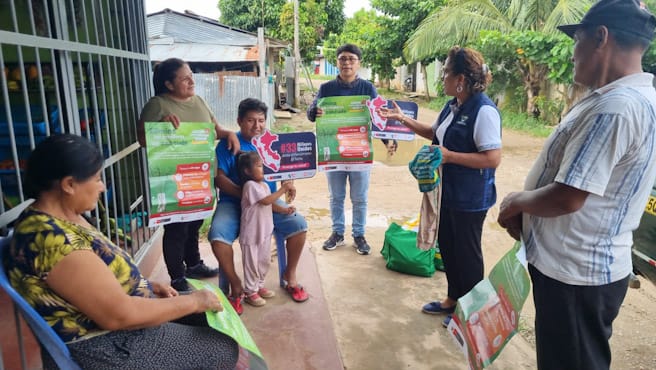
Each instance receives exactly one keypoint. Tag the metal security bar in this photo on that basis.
(81, 67)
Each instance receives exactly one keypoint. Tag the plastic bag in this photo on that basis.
(401, 253)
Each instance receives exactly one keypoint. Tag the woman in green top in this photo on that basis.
(175, 101)
(89, 290)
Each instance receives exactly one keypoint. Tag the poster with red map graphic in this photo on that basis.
(390, 128)
(287, 156)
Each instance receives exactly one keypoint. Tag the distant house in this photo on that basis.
(207, 45)
(225, 60)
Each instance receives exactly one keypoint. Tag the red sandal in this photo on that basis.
(297, 293)
(235, 302)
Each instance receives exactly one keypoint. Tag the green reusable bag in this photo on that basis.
(401, 253)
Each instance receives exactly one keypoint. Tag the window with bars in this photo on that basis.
(81, 67)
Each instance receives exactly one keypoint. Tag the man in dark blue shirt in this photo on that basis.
(347, 83)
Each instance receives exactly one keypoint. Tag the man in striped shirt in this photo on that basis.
(586, 192)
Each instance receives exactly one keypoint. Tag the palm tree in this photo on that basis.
(460, 21)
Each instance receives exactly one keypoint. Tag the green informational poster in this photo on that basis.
(488, 316)
(344, 134)
(181, 167)
(229, 323)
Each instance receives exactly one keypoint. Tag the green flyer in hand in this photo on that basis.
(488, 316)
(229, 323)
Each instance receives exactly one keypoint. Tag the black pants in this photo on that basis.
(180, 246)
(574, 323)
(459, 239)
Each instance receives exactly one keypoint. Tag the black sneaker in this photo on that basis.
(335, 240)
(361, 245)
(201, 271)
(181, 286)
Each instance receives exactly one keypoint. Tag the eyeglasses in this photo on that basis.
(344, 60)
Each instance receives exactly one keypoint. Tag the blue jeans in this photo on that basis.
(227, 217)
(359, 187)
(225, 228)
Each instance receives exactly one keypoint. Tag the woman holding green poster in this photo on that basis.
(175, 101)
(468, 133)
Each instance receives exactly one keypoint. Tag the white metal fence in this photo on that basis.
(223, 95)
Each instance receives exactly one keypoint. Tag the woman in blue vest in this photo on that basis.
(468, 132)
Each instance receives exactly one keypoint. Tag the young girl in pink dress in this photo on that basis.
(256, 226)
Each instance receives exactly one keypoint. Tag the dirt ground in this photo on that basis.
(376, 312)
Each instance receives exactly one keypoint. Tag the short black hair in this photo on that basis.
(349, 48)
(251, 104)
(59, 156)
(245, 161)
(165, 71)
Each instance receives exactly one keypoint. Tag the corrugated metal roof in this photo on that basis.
(196, 29)
(203, 52)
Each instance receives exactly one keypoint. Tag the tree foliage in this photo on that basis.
(317, 19)
(400, 19)
(311, 26)
(357, 30)
(459, 22)
(531, 21)
(528, 59)
(250, 14)
(381, 32)
(334, 16)
(649, 58)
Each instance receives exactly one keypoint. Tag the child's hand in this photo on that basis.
(291, 210)
(289, 190)
(287, 186)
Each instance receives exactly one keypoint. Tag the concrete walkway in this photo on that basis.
(290, 335)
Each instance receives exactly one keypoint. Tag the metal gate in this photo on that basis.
(81, 67)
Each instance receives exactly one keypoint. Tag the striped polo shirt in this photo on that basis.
(606, 146)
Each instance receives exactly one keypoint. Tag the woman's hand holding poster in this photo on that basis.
(383, 128)
(181, 167)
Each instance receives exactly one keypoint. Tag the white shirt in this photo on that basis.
(487, 128)
(606, 146)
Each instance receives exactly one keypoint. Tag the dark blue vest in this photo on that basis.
(464, 188)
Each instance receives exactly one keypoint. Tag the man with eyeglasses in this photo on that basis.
(347, 83)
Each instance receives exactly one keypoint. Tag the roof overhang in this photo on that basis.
(203, 53)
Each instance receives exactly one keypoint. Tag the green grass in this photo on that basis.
(524, 123)
(437, 103)
(510, 119)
